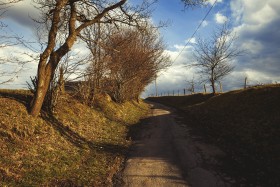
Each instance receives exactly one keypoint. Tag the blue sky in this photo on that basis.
(256, 22)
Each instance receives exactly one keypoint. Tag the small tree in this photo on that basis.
(214, 56)
(137, 58)
(191, 85)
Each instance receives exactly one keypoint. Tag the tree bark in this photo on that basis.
(45, 75)
(213, 86)
(46, 72)
(213, 81)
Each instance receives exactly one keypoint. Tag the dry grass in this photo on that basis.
(245, 124)
(75, 146)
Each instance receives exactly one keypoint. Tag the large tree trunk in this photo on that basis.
(45, 75)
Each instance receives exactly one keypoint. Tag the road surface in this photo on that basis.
(165, 155)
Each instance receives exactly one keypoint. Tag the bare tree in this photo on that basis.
(66, 20)
(95, 36)
(191, 85)
(137, 58)
(214, 56)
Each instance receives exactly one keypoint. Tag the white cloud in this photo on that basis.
(257, 23)
(23, 13)
(204, 23)
(181, 55)
(255, 11)
(17, 54)
(174, 78)
(220, 18)
(252, 46)
(211, 2)
(191, 40)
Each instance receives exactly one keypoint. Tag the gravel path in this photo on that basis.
(153, 160)
(165, 154)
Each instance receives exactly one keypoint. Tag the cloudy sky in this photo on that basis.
(256, 23)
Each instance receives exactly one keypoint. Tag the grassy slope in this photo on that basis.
(76, 146)
(245, 123)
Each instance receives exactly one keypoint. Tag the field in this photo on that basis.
(243, 123)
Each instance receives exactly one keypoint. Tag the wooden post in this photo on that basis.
(245, 83)
(205, 91)
(221, 87)
(173, 92)
(184, 91)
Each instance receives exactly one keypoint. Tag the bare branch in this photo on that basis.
(214, 56)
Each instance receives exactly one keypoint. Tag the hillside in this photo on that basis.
(244, 123)
(75, 146)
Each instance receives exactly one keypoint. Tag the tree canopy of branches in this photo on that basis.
(124, 64)
(95, 37)
(66, 19)
(214, 56)
(137, 58)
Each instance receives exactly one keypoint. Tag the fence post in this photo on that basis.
(205, 89)
(173, 92)
(245, 83)
(221, 87)
(184, 91)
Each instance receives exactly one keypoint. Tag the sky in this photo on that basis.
(255, 22)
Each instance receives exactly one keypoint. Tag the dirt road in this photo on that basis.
(164, 152)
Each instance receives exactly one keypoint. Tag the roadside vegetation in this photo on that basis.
(76, 145)
(244, 124)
